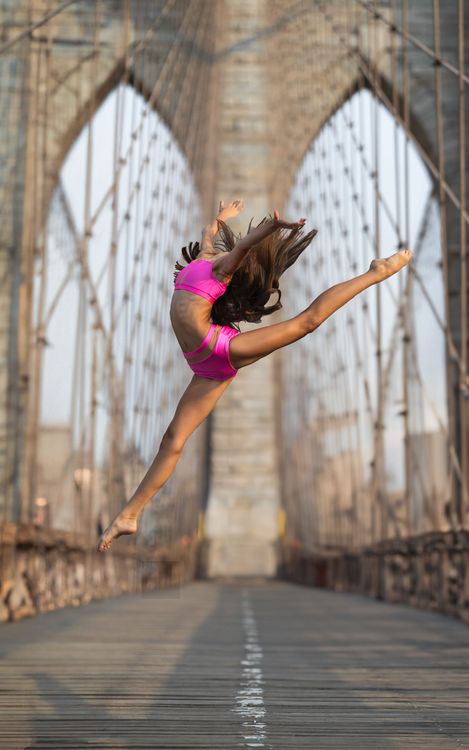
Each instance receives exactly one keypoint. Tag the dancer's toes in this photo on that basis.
(385, 267)
(121, 525)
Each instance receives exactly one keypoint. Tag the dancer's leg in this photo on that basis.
(196, 403)
(248, 347)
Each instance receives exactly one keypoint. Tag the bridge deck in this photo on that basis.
(267, 665)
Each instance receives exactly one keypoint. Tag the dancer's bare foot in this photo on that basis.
(385, 267)
(121, 525)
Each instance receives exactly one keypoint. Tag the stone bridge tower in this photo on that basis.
(267, 76)
(270, 56)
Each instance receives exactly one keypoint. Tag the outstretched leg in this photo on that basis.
(250, 346)
(196, 403)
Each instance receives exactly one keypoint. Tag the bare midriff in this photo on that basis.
(190, 313)
(190, 318)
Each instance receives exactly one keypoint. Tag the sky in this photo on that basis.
(158, 244)
(324, 189)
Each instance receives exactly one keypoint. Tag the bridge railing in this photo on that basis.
(44, 569)
(430, 571)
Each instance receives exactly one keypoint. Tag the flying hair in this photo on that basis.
(258, 276)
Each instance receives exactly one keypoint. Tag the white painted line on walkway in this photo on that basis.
(250, 696)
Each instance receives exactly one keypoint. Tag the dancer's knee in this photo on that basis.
(173, 440)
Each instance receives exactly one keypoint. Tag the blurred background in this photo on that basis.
(123, 123)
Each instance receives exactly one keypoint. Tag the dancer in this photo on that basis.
(224, 282)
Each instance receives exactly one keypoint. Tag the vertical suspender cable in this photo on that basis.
(407, 299)
(455, 517)
(463, 293)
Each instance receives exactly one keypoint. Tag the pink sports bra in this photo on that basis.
(197, 277)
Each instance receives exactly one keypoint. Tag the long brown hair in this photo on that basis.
(257, 277)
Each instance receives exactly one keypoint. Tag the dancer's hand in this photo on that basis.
(278, 222)
(232, 209)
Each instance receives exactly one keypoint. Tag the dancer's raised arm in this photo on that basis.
(224, 213)
(231, 261)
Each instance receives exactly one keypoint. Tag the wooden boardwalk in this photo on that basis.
(269, 665)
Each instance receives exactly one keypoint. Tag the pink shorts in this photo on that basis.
(217, 365)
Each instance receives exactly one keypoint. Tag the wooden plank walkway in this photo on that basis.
(264, 664)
